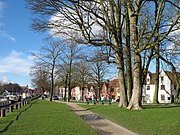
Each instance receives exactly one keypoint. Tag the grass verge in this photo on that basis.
(153, 120)
(41, 117)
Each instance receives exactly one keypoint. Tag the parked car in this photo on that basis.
(12, 97)
(3, 98)
(55, 98)
(4, 101)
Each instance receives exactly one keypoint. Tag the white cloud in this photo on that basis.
(16, 63)
(68, 29)
(4, 79)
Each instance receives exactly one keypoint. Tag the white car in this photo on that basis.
(12, 98)
(4, 101)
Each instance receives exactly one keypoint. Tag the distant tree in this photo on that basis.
(40, 79)
(69, 55)
(12, 87)
(82, 74)
(98, 71)
(48, 58)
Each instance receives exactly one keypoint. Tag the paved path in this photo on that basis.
(101, 125)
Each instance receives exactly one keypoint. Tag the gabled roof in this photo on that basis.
(114, 83)
(172, 77)
(168, 73)
(153, 78)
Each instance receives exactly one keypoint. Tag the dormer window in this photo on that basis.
(162, 78)
(148, 80)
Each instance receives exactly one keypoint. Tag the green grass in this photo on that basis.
(41, 117)
(153, 120)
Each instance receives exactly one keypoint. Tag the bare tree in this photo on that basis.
(98, 71)
(82, 75)
(71, 54)
(40, 78)
(48, 58)
(101, 23)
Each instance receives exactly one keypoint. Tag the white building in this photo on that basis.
(76, 93)
(167, 87)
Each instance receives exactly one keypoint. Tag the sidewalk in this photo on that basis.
(101, 125)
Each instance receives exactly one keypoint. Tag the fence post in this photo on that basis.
(3, 113)
(10, 108)
(15, 106)
(19, 104)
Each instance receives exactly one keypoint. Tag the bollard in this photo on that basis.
(6, 111)
(3, 113)
(10, 108)
(15, 106)
(22, 103)
(25, 102)
(19, 104)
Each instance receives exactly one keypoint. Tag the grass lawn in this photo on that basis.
(41, 117)
(153, 120)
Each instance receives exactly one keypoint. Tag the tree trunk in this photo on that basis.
(69, 75)
(121, 79)
(123, 94)
(155, 99)
(135, 102)
(128, 56)
(69, 87)
(52, 81)
(82, 93)
(65, 91)
(52, 87)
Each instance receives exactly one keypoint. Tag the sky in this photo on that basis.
(17, 41)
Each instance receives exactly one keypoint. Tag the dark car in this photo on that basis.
(55, 98)
(44, 96)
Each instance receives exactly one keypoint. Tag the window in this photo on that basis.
(162, 78)
(163, 97)
(148, 80)
(169, 98)
(162, 87)
(148, 87)
(175, 87)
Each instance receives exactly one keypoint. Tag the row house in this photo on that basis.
(110, 90)
(76, 93)
(167, 87)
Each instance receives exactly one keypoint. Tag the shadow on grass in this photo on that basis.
(17, 117)
(156, 106)
(91, 108)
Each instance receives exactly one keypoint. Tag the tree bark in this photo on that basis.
(52, 80)
(135, 102)
(65, 91)
(123, 94)
(155, 99)
(121, 79)
(128, 56)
